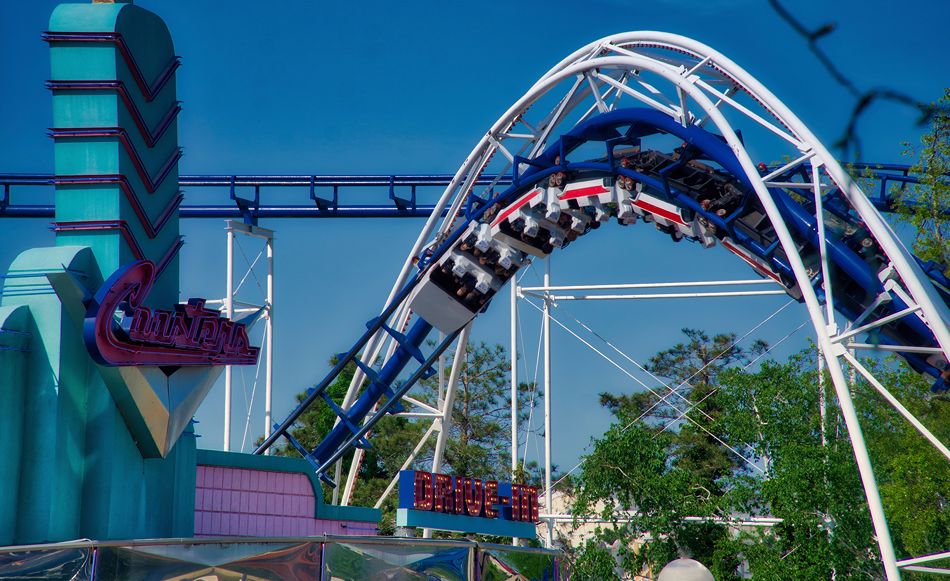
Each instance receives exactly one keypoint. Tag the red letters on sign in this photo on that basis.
(423, 491)
(459, 496)
(527, 500)
(444, 493)
(473, 496)
(532, 493)
(516, 502)
(491, 498)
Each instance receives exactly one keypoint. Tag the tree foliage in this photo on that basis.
(925, 206)
(479, 441)
(788, 460)
(689, 371)
(479, 436)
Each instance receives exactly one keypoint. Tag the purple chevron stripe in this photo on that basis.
(151, 184)
(168, 256)
(151, 136)
(149, 90)
(123, 228)
(96, 225)
(152, 228)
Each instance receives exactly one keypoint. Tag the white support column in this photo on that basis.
(269, 333)
(822, 400)
(513, 352)
(445, 422)
(514, 383)
(228, 312)
(865, 468)
(823, 247)
(263, 305)
(338, 471)
(441, 395)
(548, 505)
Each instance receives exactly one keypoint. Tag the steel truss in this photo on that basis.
(696, 87)
(687, 82)
(546, 296)
(236, 308)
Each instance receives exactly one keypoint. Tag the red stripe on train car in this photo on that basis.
(584, 192)
(751, 262)
(517, 204)
(661, 212)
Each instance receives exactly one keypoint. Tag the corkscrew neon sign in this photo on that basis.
(120, 331)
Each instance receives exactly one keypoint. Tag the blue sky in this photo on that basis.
(378, 87)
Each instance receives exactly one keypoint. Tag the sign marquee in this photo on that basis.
(474, 501)
(188, 335)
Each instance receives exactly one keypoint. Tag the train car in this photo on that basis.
(694, 200)
(526, 224)
(460, 283)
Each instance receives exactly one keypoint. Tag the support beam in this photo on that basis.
(234, 307)
(445, 422)
(546, 330)
(269, 331)
(513, 352)
(228, 312)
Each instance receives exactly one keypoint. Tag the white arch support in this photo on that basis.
(697, 86)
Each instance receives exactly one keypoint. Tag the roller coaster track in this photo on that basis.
(641, 126)
(656, 127)
(335, 196)
(249, 197)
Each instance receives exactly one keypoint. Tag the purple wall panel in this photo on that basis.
(236, 502)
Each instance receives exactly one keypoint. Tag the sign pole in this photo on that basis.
(547, 403)
(514, 384)
(269, 333)
(229, 313)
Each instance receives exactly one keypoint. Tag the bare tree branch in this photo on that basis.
(849, 144)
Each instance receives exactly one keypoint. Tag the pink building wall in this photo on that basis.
(236, 502)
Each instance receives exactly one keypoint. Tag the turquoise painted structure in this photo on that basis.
(116, 137)
(80, 456)
(407, 517)
(71, 467)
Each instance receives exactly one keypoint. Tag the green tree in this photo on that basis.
(811, 479)
(628, 482)
(658, 476)
(925, 205)
(804, 473)
(913, 476)
(690, 369)
(479, 440)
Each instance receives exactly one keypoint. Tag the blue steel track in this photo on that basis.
(616, 128)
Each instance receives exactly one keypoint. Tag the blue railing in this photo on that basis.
(251, 197)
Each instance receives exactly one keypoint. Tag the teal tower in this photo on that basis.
(92, 451)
